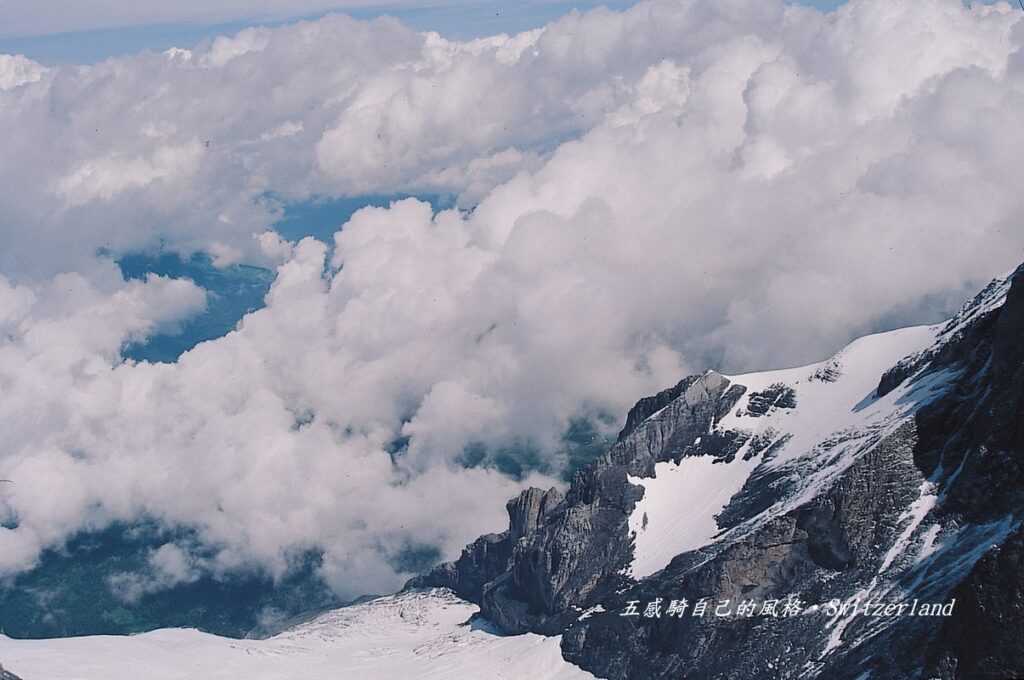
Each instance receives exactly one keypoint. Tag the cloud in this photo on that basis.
(169, 565)
(101, 179)
(685, 184)
(16, 70)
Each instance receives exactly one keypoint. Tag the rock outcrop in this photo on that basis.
(561, 553)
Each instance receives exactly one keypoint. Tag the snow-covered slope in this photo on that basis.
(412, 635)
(677, 512)
(789, 417)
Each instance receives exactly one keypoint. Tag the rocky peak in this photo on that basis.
(526, 510)
(1008, 345)
(648, 406)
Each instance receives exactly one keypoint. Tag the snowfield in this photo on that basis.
(677, 512)
(422, 635)
(834, 403)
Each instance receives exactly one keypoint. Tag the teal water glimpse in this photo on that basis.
(233, 292)
(320, 217)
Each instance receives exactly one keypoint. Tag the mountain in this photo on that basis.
(892, 473)
(853, 519)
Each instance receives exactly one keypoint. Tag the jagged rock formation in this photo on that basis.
(777, 395)
(892, 473)
(560, 551)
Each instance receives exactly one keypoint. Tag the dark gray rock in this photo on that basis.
(648, 406)
(482, 561)
(774, 396)
(488, 557)
(983, 640)
(526, 511)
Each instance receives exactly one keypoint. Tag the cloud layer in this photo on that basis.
(739, 184)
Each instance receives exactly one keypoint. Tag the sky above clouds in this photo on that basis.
(65, 31)
(64, 16)
(60, 31)
(642, 194)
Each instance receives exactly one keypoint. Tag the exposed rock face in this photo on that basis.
(488, 557)
(911, 495)
(983, 639)
(777, 395)
(648, 406)
(527, 511)
(481, 561)
(560, 553)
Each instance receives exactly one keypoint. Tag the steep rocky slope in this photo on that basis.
(891, 473)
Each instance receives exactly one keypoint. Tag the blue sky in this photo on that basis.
(465, 20)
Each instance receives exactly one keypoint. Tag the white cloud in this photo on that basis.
(104, 178)
(683, 184)
(169, 565)
(16, 70)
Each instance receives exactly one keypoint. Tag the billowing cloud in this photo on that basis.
(16, 70)
(681, 185)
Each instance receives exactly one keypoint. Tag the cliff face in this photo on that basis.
(891, 473)
(561, 552)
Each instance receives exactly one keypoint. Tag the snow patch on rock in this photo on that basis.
(677, 512)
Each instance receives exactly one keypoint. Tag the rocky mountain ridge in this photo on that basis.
(891, 473)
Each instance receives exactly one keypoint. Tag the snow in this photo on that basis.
(826, 408)
(844, 618)
(916, 513)
(423, 635)
(993, 296)
(596, 609)
(928, 545)
(677, 512)
(834, 421)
